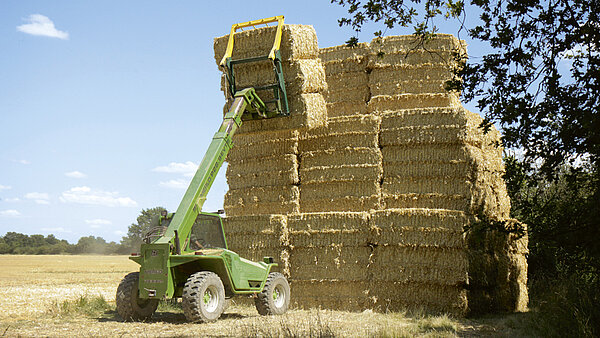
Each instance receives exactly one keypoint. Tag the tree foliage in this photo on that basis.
(147, 219)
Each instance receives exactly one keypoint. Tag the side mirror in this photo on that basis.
(220, 211)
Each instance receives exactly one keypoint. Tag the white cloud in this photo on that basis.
(85, 195)
(75, 174)
(57, 229)
(175, 184)
(188, 168)
(13, 199)
(41, 25)
(22, 161)
(97, 223)
(38, 197)
(10, 213)
(5, 187)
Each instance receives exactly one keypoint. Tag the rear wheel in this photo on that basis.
(275, 296)
(129, 305)
(203, 297)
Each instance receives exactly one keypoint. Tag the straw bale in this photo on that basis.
(333, 262)
(439, 201)
(255, 224)
(390, 271)
(264, 171)
(349, 65)
(339, 141)
(301, 76)
(297, 42)
(260, 145)
(346, 125)
(410, 73)
(330, 294)
(347, 81)
(370, 156)
(447, 58)
(333, 190)
(434, 134)
(335, 173)
(361, 93)
(426, 153)
(435, 219)
(346, 108)
(262, 200)
(409, 101)
(259, 240)
(422, 255)
(346, 203)
(336, 53)
(322, 221)
(323, 238)
(286, 162)
(397, 296)
(417, 236)
(427, 169)
(408, 87)
(306, 111)
(429, 117)
(406, 43)
(427, 185)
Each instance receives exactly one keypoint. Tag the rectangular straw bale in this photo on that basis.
(409, 101)
(408, 87)
(404, 170)
(417, 236)
(427, 185)
(324, 238)
(346, 108)
(406, 43)
(370, 156)
(263, 171)
(262, 200)
(255, 224)
(306, 111)
(415, 57)
(297, 42)
(323, 221)
(398, 296)
(335, 53)
(362, 93)
(421, 256)
(330, 294)
(301, 76)
(349, 65)
(348, 80)
(396, 219)
(333, 190)
(385, 270)
(346, 125)
(435, 201)
(434, 134)
(342, 263)
(410, 73)
(259, 145)
(261, 240)
(426, 153)
(336, 173)
(346, 203)
(339, 141)
(429, 117)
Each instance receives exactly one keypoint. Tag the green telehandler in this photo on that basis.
(186, 256)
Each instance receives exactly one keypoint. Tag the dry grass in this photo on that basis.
(74, 296)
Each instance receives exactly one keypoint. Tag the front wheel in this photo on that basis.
(203, 297)
(129, 305)
(275, 296)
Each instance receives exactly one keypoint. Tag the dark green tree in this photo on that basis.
(147, 219)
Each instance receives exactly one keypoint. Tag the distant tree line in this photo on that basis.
(21, 244)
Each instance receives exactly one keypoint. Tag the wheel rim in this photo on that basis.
(210, 299)
(278, 296)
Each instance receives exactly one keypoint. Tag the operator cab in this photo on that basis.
(207, 233)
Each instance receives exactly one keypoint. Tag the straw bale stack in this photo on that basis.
(303, 73)
(376, 200)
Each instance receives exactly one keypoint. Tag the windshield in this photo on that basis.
(207, 233)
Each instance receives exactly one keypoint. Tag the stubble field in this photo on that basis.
(74, 296)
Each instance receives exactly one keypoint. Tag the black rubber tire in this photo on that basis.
(274, 299)
(196, 306)
(129, 305)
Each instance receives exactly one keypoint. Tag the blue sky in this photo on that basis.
(111, 108)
